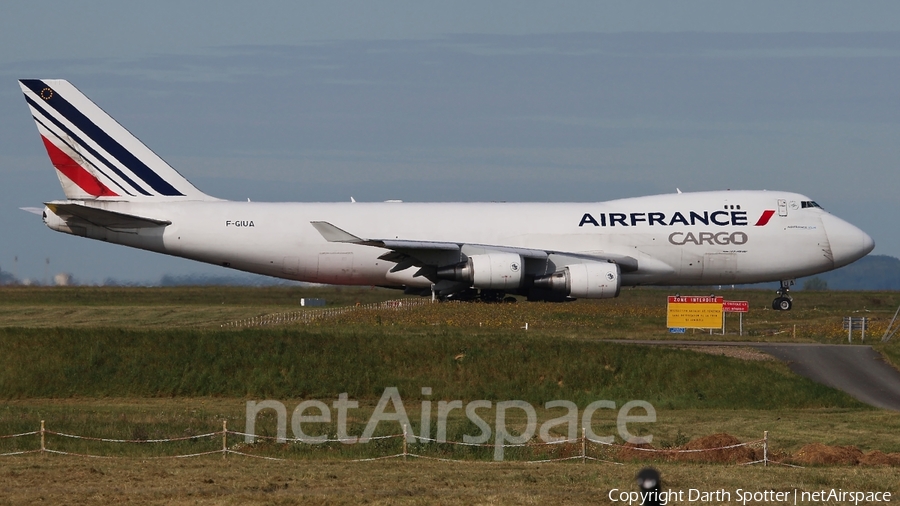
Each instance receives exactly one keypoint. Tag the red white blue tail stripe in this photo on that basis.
(95, 157)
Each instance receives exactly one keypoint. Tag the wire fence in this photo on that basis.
(311, 315)
(581, 449)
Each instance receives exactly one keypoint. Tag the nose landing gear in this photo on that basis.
(783, 302)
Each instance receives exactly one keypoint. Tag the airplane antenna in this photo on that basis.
(678, 190)
(352, 199)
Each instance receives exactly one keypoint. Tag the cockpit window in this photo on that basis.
(809, 203)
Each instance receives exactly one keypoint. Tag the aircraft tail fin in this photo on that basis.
(95, 157)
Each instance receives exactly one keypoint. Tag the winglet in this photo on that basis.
(334, 234)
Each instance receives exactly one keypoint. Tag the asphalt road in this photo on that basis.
(858, 370)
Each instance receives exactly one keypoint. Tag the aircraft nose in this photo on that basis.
(848, 243)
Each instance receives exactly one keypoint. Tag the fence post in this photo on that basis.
(766, 448)
(224, 438)
(583, 442)
(43, 444)
(404, 441)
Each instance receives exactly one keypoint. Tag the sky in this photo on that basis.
(460, 101)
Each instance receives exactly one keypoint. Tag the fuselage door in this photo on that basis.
(782, 207)
(720, 267)
(335, 267)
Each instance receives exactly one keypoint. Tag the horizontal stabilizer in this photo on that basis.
(104, 218)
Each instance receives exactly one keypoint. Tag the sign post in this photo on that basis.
(736, 306)
(693, 312)
(851, 324)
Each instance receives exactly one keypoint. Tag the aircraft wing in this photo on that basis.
(104, 218)
(432, 254)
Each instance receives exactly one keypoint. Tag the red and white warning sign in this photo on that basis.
(735, 306)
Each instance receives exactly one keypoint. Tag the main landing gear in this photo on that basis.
(784, 301)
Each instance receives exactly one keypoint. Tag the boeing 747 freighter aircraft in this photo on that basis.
(117, 190)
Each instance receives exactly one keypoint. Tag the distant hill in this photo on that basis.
(232, 280)
(873, 272)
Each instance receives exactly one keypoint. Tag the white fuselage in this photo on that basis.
(721, 237)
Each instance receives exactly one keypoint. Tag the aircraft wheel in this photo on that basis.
(782, 304)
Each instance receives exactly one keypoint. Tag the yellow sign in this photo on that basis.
(694, 312)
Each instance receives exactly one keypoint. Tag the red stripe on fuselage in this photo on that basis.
(766, 216)
(75, 172)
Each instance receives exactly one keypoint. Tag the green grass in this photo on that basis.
(134, 418)
(180, 307)
(637, 314)
(243, 481)
(86, 296)
(891, 352)
(323, 362)
(153, 362)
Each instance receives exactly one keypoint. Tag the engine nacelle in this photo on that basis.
(592, 280)
(495, 271)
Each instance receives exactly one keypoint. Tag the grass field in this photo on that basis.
(148, 363)
(212, 481)
(637, 313)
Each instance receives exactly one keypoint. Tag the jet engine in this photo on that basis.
(495, 271)
(592, 280)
